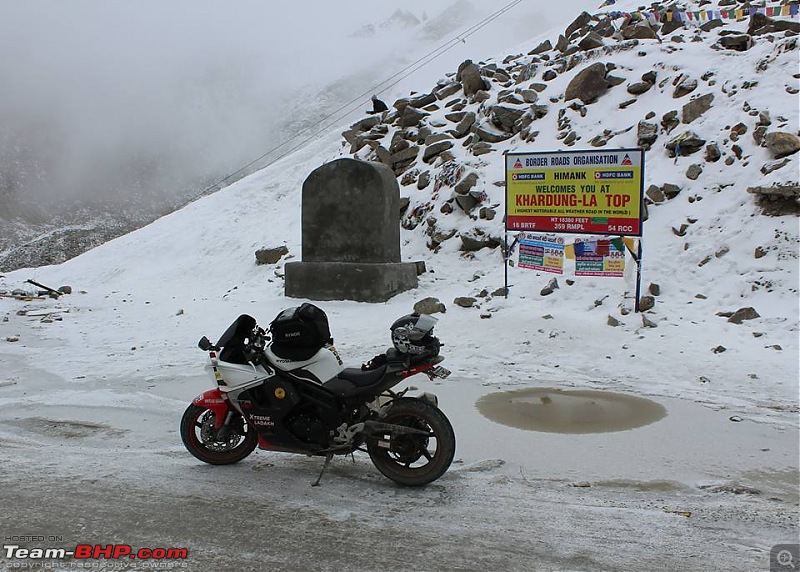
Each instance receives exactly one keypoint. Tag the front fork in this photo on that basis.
(214, 401)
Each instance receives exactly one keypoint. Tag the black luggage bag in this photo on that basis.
(298, 333)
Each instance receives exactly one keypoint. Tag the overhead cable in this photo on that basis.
(354, 104)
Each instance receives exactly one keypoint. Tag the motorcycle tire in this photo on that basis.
(199, 437)
(410, 459)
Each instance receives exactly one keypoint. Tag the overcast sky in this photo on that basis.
(108, 93)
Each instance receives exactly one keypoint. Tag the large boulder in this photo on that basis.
(579, 22)
(588, 84)
(646, 134)
(487, 132)
(712, 25)
(778, 199)
(743, 314)
(505, 117)
(686, 86)
(669, 26)
(464, 125)
(447, 90)
(639, 87)
(591, 41)
(433, 151)
(404, 156)
(429, 306)
(684, 144)
(737, 42)
(781, 144)
(411, 116)
(758, 22)
(421, 101)
(271, 255)
(762, 24)
(465, 185)
(696, 107)
(713, 153)
(476, 240)
(670, 121)
(545, 46)
(469, 74)
(467, 202)
(640, 31)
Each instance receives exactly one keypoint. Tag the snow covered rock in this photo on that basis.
(696, 107)
(588, 84)
(469, 74)
(781, 144)
(429, 305)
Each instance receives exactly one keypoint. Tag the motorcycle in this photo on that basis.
(285, 388)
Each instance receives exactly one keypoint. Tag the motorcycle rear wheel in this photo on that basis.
(410, 459)
(200, 438)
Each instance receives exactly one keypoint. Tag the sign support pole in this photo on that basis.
(637, 258)
(506, 258)
(638, 276)
(507, 251)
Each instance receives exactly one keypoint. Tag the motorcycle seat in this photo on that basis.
(361, 378)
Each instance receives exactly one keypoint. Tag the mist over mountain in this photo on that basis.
(114, 114)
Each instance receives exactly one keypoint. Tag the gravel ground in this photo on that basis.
(263, 514)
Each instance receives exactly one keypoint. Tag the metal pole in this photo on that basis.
(505, 265)
(638, 275)
(641, 234)
(506, 254)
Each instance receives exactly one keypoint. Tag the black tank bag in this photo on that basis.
(298, 333)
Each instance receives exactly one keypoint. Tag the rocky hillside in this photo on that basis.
(708, 89)
(35, 237)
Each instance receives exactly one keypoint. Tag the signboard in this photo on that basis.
(599, 257)
(577, 192)
(539, 252)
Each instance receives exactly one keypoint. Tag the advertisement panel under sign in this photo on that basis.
(599, 257)
(579, 192)
(541, 252)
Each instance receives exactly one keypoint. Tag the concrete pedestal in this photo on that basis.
(365, 282)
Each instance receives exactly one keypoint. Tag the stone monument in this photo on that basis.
(351, 235)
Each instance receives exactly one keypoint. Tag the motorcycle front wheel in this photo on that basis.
(414, 459)
(201, 438)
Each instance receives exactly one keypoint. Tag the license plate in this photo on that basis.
(439, 372)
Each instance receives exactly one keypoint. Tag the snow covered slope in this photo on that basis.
(123, 344)
(729, 255)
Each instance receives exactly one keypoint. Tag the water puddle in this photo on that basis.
(569, 411)
(67, 429)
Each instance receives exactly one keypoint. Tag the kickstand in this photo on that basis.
(328, 458)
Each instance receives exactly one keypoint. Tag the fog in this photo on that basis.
(149, 102)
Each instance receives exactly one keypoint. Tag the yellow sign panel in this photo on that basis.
(597, 191)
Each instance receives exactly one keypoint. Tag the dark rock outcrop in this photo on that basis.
(588, 84)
